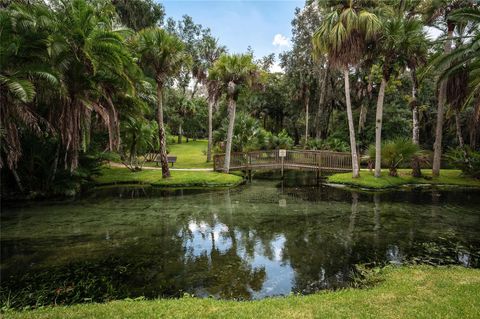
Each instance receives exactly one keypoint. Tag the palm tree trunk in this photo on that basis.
(307, 102)
(179, 140)
(378, 129)
(210, 130)
(231, 124)
(442, 99)
(458, 127)
(321, 105)
(161, 133)
(414, 104)
(351, 126)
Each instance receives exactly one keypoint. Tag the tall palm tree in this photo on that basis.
(234, 72)
(343, 36)
(436, 11)
(162, 55)
(210, 52)
(398, 42)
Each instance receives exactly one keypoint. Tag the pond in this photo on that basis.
(262, 239)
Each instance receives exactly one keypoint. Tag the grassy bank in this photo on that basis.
(407, 292)
(189, 155)
(184, 179)
(367, 180)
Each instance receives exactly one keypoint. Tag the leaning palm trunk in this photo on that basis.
(161, 133)
(351, 128)
(231, 123)
(414, 104)
(210, 129)
(442, 99)
(378, 129)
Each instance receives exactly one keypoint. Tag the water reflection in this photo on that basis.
(258, 240)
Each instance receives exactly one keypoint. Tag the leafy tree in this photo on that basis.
(139, 14)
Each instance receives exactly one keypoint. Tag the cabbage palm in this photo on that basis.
(440, 11)
(400, 44)
(233, 72)
(161, 55)
(343, 36)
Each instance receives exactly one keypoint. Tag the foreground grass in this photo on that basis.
(367, 180)
(120, 175)
(189, 155)
(406, 292)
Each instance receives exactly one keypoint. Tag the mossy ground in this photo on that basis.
(189, 155)
(406, 292)
(367, 180)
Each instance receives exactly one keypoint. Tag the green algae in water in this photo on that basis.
(262, 239)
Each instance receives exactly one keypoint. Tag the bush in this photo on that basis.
(466, 160)
(331, 144)
(395, 153)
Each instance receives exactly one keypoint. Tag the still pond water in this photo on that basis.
(262, 239)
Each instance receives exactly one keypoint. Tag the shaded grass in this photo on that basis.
(367, 180)
(189, 155)
(406, 292)
(117, 175)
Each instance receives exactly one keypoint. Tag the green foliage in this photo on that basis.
(331, 144)
(466, 160)
(395, 153)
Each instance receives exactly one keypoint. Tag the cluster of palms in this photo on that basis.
(70, 66)
(359, 34)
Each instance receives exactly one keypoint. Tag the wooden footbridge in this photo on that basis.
(318, 161)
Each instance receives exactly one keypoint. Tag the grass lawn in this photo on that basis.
(120, 175)
(367, 180)
(189, 155)
(406, 292)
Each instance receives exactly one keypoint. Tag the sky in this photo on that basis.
(265, 25)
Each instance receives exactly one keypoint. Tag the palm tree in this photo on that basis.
(343, 36)
(399, 42)
(24, 65)
(234, 72)
(210, 51)
(162, 55)
(440, 11)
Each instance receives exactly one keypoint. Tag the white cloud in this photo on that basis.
(280, 40)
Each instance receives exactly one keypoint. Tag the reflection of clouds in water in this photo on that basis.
(201, 243)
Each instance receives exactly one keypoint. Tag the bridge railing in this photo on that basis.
(319, 160)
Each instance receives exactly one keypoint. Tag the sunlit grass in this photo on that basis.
(406, 292)
(367, 180)
(189, 155)
(120, 175)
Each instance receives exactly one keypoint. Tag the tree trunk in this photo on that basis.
(231, 124)
(17, 180)
(319, 121)
(351, 126)
(307, 102)
(179, 141)
(458, 127)
(378, 129)
(161, 132)
(414, 104)
(442, 98)
(210, 130)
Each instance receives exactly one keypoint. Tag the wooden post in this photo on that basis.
(282, 166)
(215, 163)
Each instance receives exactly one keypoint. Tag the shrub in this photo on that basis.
(395, 153)
(331, 144)
(466, 160)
